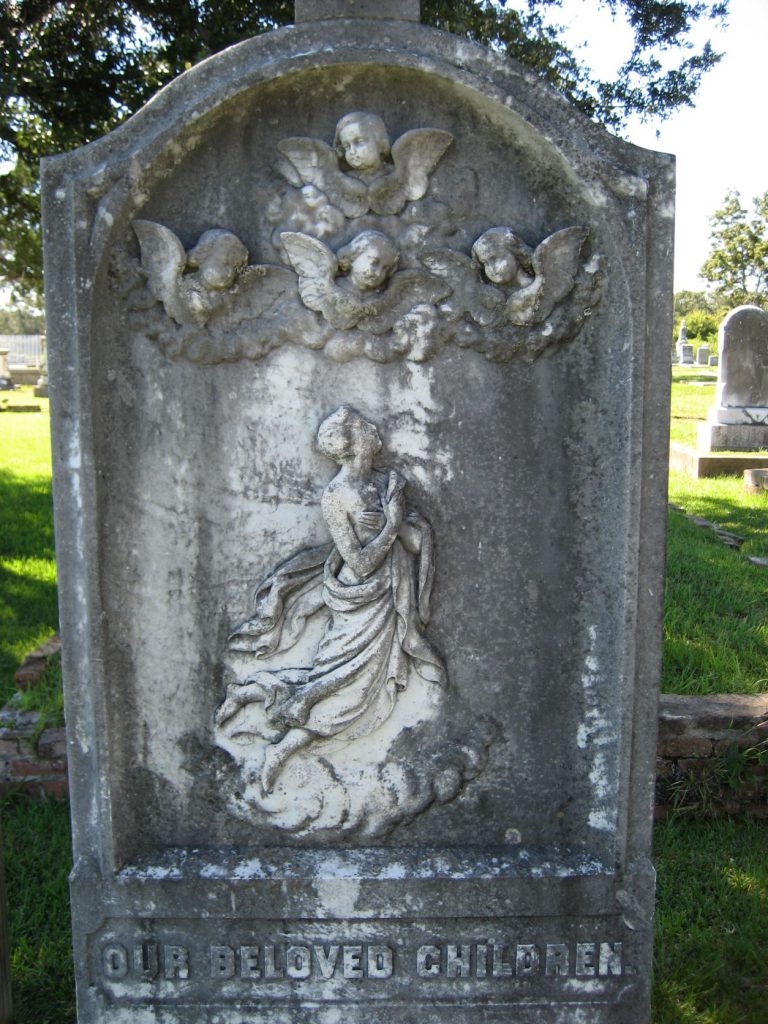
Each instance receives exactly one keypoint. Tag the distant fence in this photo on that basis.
(23, 349)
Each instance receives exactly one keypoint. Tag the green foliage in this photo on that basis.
(685, 302)
(738, 261)
(22, 319)
(71, 72)
(702, 326)
(711, 782)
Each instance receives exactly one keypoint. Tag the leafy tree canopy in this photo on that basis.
(737, 264)
(70, 71)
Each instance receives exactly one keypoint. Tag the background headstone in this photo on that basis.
(739, 419)
(360, 474)
(702, 355)
(686, 355)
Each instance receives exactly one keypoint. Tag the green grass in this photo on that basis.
(693, 392)
(716, 610)
(47, 697)
(712, 906)
(28, 608)
(37, 862)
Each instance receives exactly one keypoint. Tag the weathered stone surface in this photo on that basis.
(317, 10)
(743, 373)
(715, 717)
(732, 437)
(739, 419)
(52, 743)
(347, 423)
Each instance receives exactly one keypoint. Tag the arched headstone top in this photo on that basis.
(743, 366)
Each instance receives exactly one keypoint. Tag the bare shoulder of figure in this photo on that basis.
(336, 496)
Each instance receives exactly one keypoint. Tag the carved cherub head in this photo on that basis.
(370, 259)
(504, 257)
(345, 434)
(362, 141)
(219, 256)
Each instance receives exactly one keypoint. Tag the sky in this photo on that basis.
(721, 143)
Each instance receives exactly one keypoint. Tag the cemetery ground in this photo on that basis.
(712, 872)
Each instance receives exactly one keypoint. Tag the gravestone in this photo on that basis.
(702, 355)
(686, 355)
(739, 419)
(360, 420)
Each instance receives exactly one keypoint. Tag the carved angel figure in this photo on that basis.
(538, 279)
(191, 284)
(373, 580)
(363, 172)
(358, 286)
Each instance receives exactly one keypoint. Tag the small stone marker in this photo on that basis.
(686, 355)
(739, 419)
(361, 493)
(756, 480)
(702, 355)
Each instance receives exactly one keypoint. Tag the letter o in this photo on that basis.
(115, 960)
(298, 962)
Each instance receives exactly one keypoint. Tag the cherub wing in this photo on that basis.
(163, 260)
(555, 265)
(415, 155)
(316, 163)
(317, 266)
(469, 293)
(407, 288)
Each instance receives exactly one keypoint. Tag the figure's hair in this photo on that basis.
(219, 241)
(336, 434)
(372, 122)
(505, 239)
(349, 252)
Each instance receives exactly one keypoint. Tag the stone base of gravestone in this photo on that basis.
(733, 437)
(686, 354)
(702, 356)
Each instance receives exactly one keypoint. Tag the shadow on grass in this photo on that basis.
(28, 598)
(749, 517)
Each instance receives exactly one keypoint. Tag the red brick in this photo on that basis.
(690, 746)
(23, 768)
(29, 675)
(57, 787)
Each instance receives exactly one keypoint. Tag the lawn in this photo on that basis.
(712, 874)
